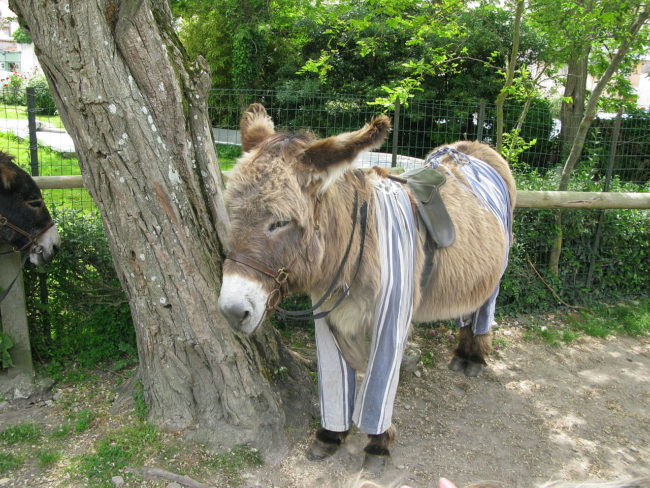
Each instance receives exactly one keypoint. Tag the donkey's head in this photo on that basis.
(271, 200)
(25, 222)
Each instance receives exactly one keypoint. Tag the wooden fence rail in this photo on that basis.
(525, 198)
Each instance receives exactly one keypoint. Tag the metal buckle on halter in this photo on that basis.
(282, 276)
(3, 221)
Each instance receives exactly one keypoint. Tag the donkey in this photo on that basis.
(303, 220)
(25, 222)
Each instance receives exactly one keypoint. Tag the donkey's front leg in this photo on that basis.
(326, 443)
(377, 451)
(471, 353)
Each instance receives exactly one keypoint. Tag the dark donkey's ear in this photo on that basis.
(256, 126)
(328, 158)
(7, 177)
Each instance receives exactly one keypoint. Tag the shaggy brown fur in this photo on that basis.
(290, 202)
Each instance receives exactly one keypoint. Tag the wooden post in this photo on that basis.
(616, 130)
(16, 382)
(395, 132)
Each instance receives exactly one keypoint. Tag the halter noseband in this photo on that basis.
(31, 238)
(281, 275)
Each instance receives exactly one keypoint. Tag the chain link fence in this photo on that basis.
(606, 254)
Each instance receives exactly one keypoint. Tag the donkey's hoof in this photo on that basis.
(320, 450)
(473, 369)
(375, 464)
(457, 364)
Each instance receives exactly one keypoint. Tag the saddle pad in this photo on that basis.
(424, 184)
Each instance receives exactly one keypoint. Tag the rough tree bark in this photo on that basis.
(585, 123)
(573, 107)
(135, 106)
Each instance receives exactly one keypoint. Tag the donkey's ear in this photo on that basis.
(7, 177)
(330, 157)
(256, 126)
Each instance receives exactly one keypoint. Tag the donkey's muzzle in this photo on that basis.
(235, 313)
(242, 303)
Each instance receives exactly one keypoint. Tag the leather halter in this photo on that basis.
(281, 275)
(31, 238)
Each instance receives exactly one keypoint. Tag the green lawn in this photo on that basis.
(52, 163)
(20, 112)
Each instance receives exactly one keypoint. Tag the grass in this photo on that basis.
(599, 320)
(117, 450)
(232, 462)
(20, 112)
(21, 433)
(9, 462)
(228, 155)
(47, 458)
(84, 420)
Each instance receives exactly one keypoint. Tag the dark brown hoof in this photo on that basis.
(457, 364)
(375, 465)
(320, 450)
(473, 369)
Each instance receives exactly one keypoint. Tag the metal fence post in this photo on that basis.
(31, 118)
(395, 132)
(481, 121)
(616, 130)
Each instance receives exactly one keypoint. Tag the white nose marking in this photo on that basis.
(242, 302)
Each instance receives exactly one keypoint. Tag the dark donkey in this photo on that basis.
(25, 222)
(304, 220)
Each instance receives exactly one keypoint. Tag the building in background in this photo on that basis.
(14, 56)
(641, 82)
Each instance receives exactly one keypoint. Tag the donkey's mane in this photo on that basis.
(286, 143)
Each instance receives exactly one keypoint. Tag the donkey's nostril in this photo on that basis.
(235, 313)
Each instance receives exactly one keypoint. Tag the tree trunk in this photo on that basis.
(585, 123)
(575, 89)
(511, 65)
(136, 108)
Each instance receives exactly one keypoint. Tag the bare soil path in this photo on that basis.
(540, 413)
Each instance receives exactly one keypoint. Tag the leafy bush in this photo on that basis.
(43, 97)
(12, 89)
(21, 36)
(86, 317)
(620, 266)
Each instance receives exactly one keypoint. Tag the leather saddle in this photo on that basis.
(424, 184)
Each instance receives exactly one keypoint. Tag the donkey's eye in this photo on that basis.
(38, 203)
(278, 224)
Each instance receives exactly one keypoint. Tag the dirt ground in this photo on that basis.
(540, 413)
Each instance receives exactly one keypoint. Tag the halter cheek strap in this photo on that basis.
(31, 238)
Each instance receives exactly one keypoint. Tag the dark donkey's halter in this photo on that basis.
(31, 240)
(281, 275)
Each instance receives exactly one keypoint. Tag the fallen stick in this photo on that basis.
(157, 473)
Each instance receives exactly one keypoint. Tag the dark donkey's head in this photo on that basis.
(25, 222)
(271, 199)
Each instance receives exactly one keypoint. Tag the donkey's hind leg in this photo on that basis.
(377, 452)
(326, 443)
(471, 353)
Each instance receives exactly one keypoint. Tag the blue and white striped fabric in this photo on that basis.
(371, 409)
(490, 189)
